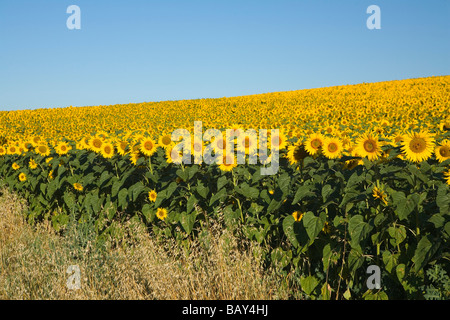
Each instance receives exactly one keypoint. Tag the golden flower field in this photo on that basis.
(364, 179)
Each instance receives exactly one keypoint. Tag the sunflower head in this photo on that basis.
(332, 148)
(368, 146)
(32, 164)
(297, 216)
(22, 177)
(442, 152)
(418, 146)
(152, 195)
(107, 150)
(447, 176)
(296, 153)
(278, 140)
(314, 143)
(78, 186)
(62, 148)
(42, 150)
(161, 213)
(228, 163)
(378, 193)
(147, 146)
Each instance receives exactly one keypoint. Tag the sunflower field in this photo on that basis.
(363, 179)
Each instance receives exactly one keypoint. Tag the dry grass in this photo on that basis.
(34, 261)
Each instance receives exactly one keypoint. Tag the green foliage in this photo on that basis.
(342, 229)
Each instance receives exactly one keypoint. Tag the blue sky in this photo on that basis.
(142, 50)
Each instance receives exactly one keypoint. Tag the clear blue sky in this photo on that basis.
(142, 50)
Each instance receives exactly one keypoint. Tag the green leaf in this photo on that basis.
(437, 219)
(190, 203)
(115, 187)
(202, 190)
(160, 197)
(222, 181)
(424, 251)
(187, 221)
(283, 183)
(135, 191)
(148, 213)
(303, 192)
(379, 295)
(326, 291)
(397, 233)
(308, 284)
(313, 224)
(171, 189)
(273, 205)
(288, 228)
(358, 230)
(400, 270)
(327, 190)
(443, 199)
(69, 200)
(218, 196)
(389, 260)
(404, 205)
(123, 198)
(103, 178)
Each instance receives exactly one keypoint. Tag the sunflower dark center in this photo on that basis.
(444, 151)
(369, 145)
(332, 147)
(417, 145)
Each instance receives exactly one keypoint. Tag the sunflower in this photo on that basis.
(418, 147)
(62, 148)
(95, 143)
(78, 186)
(32, 164)
(161, 213)
(236, 130)
(332, 148)
(22, 147)
(378, 193)
(297, 216)
(152, 195)
(296, 153)
(122, 147)
(278, 141)
(228, 163)
(165, 141)
(326, 228)
(2, 151)
(42, 150)
(83, 143)
(107, 150)
(134, 157)
(15, 166)
(445, 125)
(314, 143)
(397, 138)
(147, 146)
(368, 146)
(197, 147)
(22, 177)
(329, 130)
(247, 144)
(35, 141)
(50, 175)
(173, 155)
(12, 150)
(442, 152)
(447, 176)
